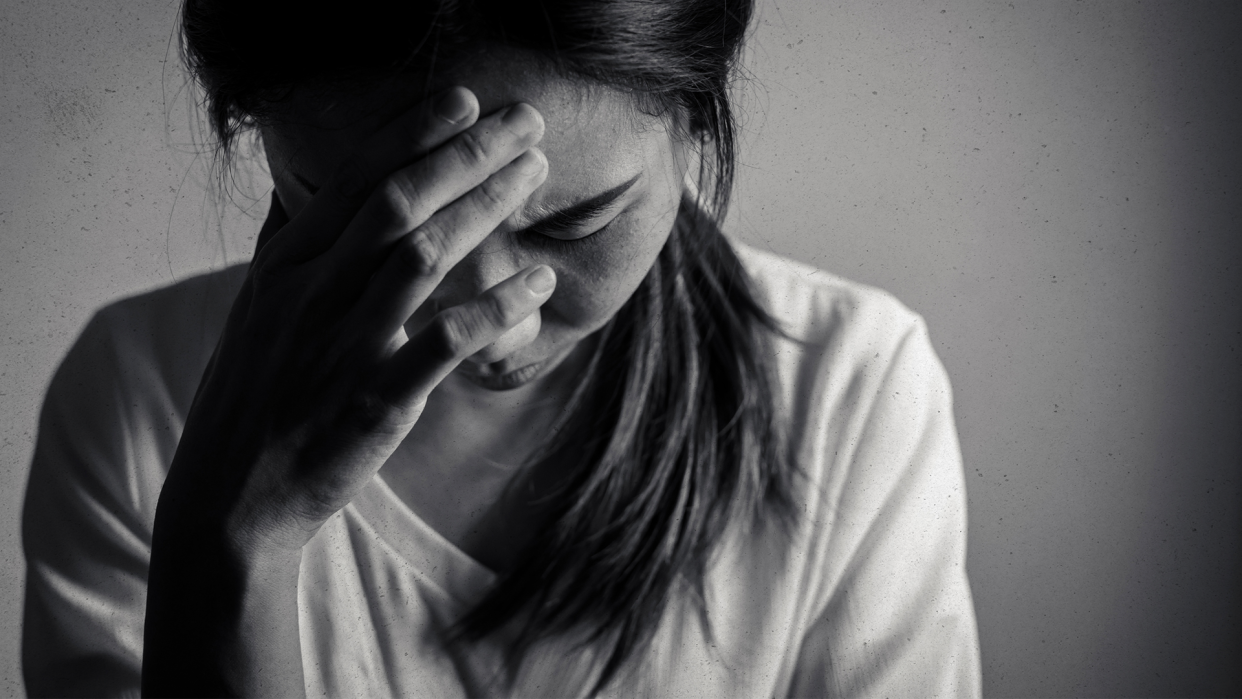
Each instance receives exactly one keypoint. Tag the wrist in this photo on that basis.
(221, 614)
(215, 542)
(226, 522)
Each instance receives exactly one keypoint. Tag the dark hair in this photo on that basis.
(676, 420)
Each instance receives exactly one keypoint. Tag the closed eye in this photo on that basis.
(564, 224)
(567, 223)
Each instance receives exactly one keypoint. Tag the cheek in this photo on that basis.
(595, 279)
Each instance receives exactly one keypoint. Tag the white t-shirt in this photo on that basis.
(868, 598)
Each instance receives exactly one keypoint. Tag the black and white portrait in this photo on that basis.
(667, 348)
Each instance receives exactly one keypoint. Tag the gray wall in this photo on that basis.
(1054, 185)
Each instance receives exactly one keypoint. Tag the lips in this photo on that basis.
(496, 381)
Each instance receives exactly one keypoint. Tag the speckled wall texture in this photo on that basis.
(1054, 185)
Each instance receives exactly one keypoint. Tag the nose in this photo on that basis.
(482, 268)
(493, 261)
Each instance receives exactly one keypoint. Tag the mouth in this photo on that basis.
(493, 378)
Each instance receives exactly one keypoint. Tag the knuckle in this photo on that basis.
(492, 195)
(494, 311)
(425, 250)
(450, 334)
(397, 203)
(383, 209)
(472, 147)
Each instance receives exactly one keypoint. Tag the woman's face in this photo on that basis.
(615, 177)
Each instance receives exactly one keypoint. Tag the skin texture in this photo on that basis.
(391, 319)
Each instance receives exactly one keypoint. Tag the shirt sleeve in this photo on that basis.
(898, 620)
(86, 538)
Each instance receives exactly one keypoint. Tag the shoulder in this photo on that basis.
(845, 339)
(867, 401)
(108, 430)
(819, 307)
(122, 391)
(181, 316)
(167, 330)
(870, 414)
(155, 344)
(853, 358)
(164, 335)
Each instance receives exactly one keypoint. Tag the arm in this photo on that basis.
(221, 620)
(85, 537)
(899, 621)
(314, 384)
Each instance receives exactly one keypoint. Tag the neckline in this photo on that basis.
(435, 558)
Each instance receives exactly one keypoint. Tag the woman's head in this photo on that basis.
(673, 57)
(599, 220)
(631, 92)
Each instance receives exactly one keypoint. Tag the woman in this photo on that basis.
(496, 408)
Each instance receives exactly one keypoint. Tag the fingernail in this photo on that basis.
(541, 280)
(531, 163)
(453, 107)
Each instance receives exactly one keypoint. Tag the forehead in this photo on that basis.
(595, 137)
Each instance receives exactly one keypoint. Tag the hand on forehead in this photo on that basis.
(594, 137)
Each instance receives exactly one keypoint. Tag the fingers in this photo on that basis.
(458, 332)
(417, 264)
(412, 196)
(408, 137)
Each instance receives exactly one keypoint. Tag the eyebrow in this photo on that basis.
(573, 216)
(558, 221)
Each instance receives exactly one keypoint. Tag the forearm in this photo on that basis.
(220, 622)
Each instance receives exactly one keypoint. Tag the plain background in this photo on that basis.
(1054, 185)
